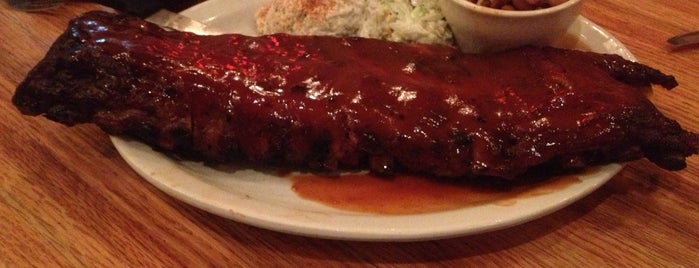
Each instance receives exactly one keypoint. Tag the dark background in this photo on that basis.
(146, 8)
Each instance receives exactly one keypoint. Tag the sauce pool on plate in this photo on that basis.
(407, 194)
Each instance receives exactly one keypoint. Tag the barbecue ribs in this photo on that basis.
(330, 104)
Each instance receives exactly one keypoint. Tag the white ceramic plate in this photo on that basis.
(267, 201)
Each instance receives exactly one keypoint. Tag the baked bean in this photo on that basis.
(522, 5)
(496, 3)
(518, 4)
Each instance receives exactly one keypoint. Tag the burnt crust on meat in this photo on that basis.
(330, 104)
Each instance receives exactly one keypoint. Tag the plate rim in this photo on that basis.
(132, 152)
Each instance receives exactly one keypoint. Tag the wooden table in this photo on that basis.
(68, 199)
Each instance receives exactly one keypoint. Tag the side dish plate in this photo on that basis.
(268, 201)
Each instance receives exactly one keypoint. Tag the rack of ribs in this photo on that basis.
(329, 104)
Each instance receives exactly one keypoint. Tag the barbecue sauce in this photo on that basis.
(408, 194)
(330, 104)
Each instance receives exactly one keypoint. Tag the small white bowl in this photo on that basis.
(479, 29)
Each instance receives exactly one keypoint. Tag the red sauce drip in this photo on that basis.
(407, 194)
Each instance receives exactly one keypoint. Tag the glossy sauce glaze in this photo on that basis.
(333, 104)
(408, 194)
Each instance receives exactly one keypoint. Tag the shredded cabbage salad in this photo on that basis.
(412, 21)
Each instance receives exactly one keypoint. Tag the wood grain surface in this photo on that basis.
(67, 199)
